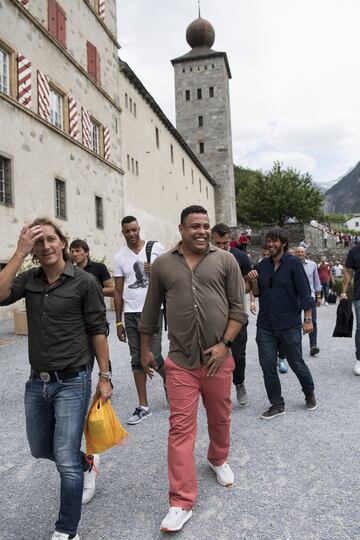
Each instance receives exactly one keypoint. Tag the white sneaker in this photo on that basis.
(357, 367)
(224, 474)
(63, 536)
(175, 519)
(90, 480)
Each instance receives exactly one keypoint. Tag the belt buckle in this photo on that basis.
(45, 377)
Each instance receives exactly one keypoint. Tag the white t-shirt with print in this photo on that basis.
(130, 266)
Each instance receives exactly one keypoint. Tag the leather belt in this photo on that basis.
(53, 376)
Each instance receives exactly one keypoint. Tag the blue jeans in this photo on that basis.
(325, 287)
(268, 342)
(357, 332)
(55, 414)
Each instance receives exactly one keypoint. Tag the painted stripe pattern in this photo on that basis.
(24, 81)
(102, 9)
(73, 118)
(106, 143)
(43, 96)
(86, 124)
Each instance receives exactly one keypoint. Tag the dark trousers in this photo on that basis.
(313, 334)
(325, 285)
(289, 340)
(238, 349)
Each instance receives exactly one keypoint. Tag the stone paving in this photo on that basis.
(296, 476)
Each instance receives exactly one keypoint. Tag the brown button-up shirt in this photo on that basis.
(60, 316)
(199, 302)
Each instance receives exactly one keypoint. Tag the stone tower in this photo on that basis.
(203, 112)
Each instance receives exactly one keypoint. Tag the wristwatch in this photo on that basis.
(308, 319)
(105, 375)
(227, 342)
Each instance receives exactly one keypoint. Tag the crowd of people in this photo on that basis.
(198, 287)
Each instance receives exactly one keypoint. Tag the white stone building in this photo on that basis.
(353, 223)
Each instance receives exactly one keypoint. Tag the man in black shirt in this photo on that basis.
(79, 250)
(352, 269)
(221, 237)
(284, 293)
(64, 304)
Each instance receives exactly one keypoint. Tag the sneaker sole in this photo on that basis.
(138, 421)
(185, 520)
(217, 478)
(311, 408)
(273, 416)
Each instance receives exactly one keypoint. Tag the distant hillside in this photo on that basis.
(344, 196)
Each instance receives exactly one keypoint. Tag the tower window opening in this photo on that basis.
(199, 93)
(211, 91)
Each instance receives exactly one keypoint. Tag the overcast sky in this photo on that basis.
(295, 92)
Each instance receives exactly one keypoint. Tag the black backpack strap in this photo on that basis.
(148, 249)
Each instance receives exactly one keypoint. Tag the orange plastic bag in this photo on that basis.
(102, 428)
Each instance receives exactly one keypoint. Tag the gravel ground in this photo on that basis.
(295, 476)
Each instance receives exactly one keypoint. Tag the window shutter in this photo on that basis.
(91, 59)
(52, 17)
(102, 9)
(24, 81)
(98, 69)
(86, 124)
(106, 143)
(61, 26)
(43, 96)
(73, 118)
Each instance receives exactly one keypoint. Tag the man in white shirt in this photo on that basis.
(338, 269)
(131, 272)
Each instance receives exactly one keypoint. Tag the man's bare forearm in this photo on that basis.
(232, 329)
(119, 303)
(102, 352)
(146, 340)
(346, 280)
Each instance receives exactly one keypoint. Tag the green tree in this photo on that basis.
(276, 196)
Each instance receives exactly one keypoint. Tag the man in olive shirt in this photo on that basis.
(205, 301)
(63, 305)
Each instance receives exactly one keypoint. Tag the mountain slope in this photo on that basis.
(344, 196)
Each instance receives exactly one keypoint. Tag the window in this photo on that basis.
(157, 138)
(57, 21)
(94, 135)
(201, 148)
(201, 121)
(172, 153)
(211, 91)
(183, 166)
(356, 223)
(93, 61)
(134, 109)
(128, 162)
(56, 108)
(131, 103)
(200, 187)
(126, 100)
(187, 95)
(207, 192)
(199, 93)
(99, 212)
(4, 72)
(192, 177)
(5, 181)
(132, 165)
(137, 168)
(60, 201)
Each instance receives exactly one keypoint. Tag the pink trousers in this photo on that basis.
(184, 387)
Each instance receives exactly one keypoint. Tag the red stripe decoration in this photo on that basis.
(106, 143)
(43, 96)
(86, 123)
(25, 3)
(102, 9)
(73, 118)
(24, 81)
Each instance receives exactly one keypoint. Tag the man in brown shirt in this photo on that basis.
(205, 302)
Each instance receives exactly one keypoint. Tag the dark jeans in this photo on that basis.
(325, 287)
(238, 349)
(357, 332)
(289, 340)
(313, 334)
(55, 414)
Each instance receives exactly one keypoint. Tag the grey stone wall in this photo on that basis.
(216, 130)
